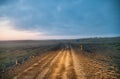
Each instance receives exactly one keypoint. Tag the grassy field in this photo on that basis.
(102, 54)
(105, 50)
(13, 52)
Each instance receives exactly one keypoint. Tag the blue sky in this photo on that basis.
(62, 18)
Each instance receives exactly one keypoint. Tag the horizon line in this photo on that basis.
(62, 38)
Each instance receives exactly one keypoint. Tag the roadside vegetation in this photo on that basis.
(99, 57)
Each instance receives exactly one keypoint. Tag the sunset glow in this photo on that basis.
(8, 32)
(63, 19)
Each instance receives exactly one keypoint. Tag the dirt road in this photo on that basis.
(58, 65)
(64, 63)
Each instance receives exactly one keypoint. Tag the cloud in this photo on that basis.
(2, 2)
(59, 8)
(9, 32)
(60, 19)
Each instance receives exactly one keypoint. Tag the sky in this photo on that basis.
(58, 19)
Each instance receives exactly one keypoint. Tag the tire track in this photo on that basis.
(69, 72)
(63, 64)
(44, 71)
(78, 68)
(56, 70)
(31, 73)
(32, 70)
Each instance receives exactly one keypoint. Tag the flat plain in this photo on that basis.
(93, 58)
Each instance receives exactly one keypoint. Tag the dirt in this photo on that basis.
(65, 64)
